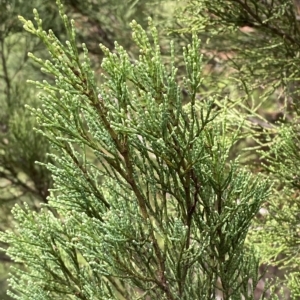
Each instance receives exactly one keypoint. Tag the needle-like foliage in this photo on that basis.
(261, 41)
(162, 212)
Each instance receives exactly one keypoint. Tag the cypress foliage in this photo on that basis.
(264, 38)
(21, 180)
(163, 212)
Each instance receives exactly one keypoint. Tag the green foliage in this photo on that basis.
(108, 21)
(278, 238)
(163, 213)
(262, 40)
(18, 141)
(21, 180)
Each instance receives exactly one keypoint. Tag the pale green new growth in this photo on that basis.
(162, 212)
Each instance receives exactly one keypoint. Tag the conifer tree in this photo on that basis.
(262, 38)
(21, 180)
(164, 212)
